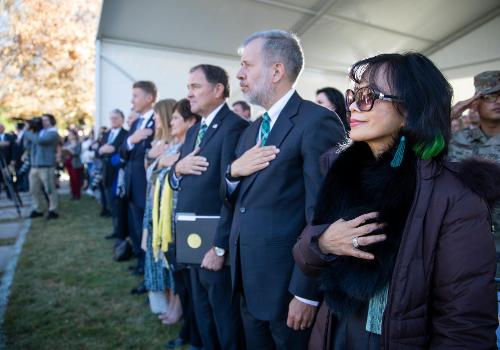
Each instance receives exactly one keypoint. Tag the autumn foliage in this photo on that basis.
(47, 54)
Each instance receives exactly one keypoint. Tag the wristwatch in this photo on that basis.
(219, 251)
(229, 177)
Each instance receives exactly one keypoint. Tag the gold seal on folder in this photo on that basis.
(194, 240)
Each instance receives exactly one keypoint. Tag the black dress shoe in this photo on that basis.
(35, 214)
(141, 289)
(52, 215)
(175, 343)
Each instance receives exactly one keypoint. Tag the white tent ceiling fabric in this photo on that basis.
(461, 36)
(334, 33)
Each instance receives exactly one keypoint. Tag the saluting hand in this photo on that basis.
(253, 160)
(192, 164)
(339, 238)
(461, 106)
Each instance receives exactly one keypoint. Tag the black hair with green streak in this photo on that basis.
(425, 93)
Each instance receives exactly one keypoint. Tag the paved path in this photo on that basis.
(11, 226)
(13, 230)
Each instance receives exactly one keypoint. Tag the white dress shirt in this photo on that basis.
(276, 108)
(211, 116)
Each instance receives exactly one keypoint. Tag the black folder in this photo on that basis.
(194, 236)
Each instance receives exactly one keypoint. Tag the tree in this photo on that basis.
(47, 50)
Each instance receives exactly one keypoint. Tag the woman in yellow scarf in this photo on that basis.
(160, 204)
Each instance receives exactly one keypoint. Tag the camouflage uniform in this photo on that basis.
(474, 143)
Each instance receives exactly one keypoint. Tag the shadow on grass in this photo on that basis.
(68, 293)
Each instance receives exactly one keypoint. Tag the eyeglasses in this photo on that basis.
(491, 98)
(365, 98)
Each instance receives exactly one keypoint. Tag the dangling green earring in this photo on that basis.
(400, 152)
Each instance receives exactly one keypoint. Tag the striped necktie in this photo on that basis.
(201, 133)
(265, 128)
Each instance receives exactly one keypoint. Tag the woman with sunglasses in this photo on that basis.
(401, 239)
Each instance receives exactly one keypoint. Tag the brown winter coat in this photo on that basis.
(442, 292)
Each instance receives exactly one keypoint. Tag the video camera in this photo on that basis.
(35, 124)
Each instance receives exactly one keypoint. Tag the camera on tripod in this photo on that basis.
(25, 168)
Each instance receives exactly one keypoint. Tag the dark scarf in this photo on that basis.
(357, 184)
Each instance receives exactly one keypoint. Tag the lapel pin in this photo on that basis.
(215, 126)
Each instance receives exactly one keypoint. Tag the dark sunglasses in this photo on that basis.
(365, 98)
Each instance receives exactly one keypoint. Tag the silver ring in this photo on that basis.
(355, 242)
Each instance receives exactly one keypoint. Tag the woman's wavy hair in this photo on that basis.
(425, 93)
(165, 109)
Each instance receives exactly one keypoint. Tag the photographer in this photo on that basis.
(42, 139)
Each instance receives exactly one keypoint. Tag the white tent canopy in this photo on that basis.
(160, 40)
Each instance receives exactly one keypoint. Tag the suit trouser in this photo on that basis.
(189, 330)
(104, 196)
(135, 231)
(122, 218)
(112, 202)
(217, 314)
(270, 335)
(43, 179)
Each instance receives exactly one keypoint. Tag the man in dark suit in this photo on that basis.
(133, 151)
(198, 175)
(108, 151)
(272, 186)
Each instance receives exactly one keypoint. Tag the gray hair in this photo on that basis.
(119, 112)
(280, 46)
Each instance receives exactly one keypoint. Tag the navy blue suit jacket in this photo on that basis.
(135, 172)
(202, 194)
(270, 208)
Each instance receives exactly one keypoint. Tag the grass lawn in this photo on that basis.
(68, 293)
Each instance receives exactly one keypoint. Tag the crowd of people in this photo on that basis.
(362, 221)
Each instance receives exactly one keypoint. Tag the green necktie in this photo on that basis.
(265, 128)
(201, 133)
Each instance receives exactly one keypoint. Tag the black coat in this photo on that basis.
(135, 172)
(271, 207)
(110, 171)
